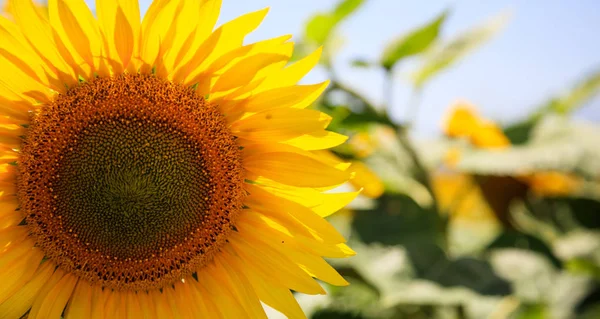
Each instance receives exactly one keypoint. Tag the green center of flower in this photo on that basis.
(131, 181)
(131, 189)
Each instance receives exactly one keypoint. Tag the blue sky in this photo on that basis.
(545, 48)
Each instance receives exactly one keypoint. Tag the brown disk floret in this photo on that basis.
(130, 182)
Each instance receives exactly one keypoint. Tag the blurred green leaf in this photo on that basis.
(587, 88)
(360, 63)
(589, 307)
(345, 8)
(321, 25)
(366, 118)
(576, 97)
(532, 311)
(514, 239)
(397, 221)
(335, 314)
(446, 55)
(519, 133)
(556, 144)
(415, 42)
(431, 263)
(586, 211)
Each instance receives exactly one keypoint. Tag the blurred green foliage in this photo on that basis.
(502, 222)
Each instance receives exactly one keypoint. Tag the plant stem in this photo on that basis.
(388, 89)
(421, 174)
(412, 112)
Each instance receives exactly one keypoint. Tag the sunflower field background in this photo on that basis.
(485, 221)
(488, 220)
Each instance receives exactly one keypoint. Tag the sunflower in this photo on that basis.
(159, 168)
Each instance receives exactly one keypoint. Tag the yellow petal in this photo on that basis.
(275, 45)
(238, 285)
(15, 48)
(186, 298)
(332, 202)
(246, 70)
(38, 33)
(20, 83)
(207, 16)
(16, 275)
(120, 24)
(230, 306)
(295, 169)
(15, 250)
(234, 32)
(74, 23)
(207, 300)
(280, 124)
(286, 245)
(262, 258)
(262, 223)
(11, 236)
(179, 313)
(276, 296)
(291, 214)
(20, 302)
(318, 140)
(163, 309)
(293, 73)
(296, 96)
(158, 32)
(52, 298)
(112, 302)
(80, 305)
(147, 306)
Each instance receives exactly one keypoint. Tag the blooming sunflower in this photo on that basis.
(159, 168)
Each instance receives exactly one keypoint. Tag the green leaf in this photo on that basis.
(514, 239)
(345, 8)
(580, 94)
(367, 118)
(446, 55)
(398, 220)
(556, 144)
(532, 311)
(413, 43)
(360, 63)
(570, 101)
(519, 133)
(573, 99)
(321, 25)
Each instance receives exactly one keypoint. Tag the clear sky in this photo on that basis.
(545, 48)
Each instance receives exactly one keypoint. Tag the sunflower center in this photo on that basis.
(130, 181)
(132, 189)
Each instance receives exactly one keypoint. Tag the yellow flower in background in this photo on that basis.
(158, 168)
(459, 196)
(362, 144)
(553, 183)
(365, 179)
(489, 135)
(464, 122)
